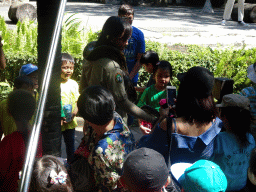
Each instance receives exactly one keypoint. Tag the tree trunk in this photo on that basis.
(249, 13)
(20, 11)
(207, 7)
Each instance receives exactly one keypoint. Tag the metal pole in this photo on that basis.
(33, 141)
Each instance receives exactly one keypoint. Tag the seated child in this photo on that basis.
(153, 94)
(233, 147)
(21, 105)
(202, 176)
(7, 123)
(149, 60)
(145, 170)
(50, 174)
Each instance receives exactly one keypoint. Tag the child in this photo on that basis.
(153, 94)
(250, 93)
(31, 71)
(107, 142)
(69, 96)
(136, 44)
(202, 176)
(232, 148)
(149, 61)
(50, 174)
(7, 123)
(21, 105)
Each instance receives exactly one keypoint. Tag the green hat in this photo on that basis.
(203, 176)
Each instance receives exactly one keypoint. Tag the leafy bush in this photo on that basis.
(228, 63)
(20, 47)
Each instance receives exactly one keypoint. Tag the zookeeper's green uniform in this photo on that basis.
(106, 73)
(106, 66)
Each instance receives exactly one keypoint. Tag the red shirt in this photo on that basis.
(12, 154)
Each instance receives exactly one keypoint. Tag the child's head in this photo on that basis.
(163, 74)
(201, 176)
(67, 67)
(235, 113)
(252, 167)
(149, 60)
(96, 105)
(24, 82)
(127, 12)
(31, 71)
(50, 174)
(21, 105)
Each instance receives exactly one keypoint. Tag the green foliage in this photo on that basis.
(228, 63)
(5, 89)
(73, 37)
(20, 47)
(23, 39)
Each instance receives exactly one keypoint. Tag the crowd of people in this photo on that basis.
(195, 145)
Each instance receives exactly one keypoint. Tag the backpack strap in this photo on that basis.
(169, 139)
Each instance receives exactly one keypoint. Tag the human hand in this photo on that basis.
(145, 127)
(62, 121)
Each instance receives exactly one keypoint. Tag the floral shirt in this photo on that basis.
(106, 157)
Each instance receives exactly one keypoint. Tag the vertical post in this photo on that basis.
(47, 11)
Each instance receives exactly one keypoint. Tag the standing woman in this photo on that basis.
(196, 126)
(106, 66)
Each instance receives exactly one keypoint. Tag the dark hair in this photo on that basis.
(150, 57)
(21, 105)
(239, 123)
(114, 28)
(40, 180)
(67, 57)
(252, 162)
(200, 110)
(96, 105)
(125, 9)
(21, 80)
(165, 65)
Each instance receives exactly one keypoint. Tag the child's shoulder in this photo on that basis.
(70, 82)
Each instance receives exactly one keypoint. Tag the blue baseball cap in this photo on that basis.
(27, 69)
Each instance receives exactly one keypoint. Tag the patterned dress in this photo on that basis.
(106, 156)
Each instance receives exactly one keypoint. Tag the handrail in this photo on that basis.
(33, 141)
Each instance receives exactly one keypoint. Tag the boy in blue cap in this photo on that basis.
(30, 71)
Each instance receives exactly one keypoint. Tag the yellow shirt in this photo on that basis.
(6, 120)
(69, 95)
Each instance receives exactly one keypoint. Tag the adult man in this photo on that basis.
(136, 44)
(228, 10)
(145, 170)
